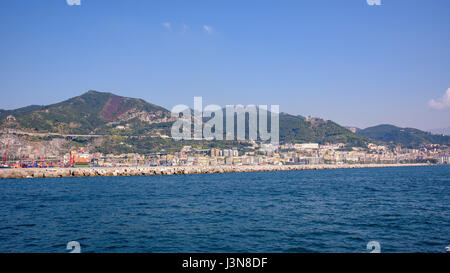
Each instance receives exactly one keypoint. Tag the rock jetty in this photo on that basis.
(138, 171)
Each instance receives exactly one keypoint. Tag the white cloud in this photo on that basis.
(167, 25)
(185, 28)
(73, 2)
(442, 102)
(208, 29)
(374, 2)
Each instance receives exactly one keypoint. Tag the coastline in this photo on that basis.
(176, 170)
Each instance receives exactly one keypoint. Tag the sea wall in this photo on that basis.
(136, 171)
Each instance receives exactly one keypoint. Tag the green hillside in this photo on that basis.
(91, 113)
(133, 125)
(408, 137)
(297, 129)
(102, 113)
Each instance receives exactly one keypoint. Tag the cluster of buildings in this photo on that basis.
(267, 154)
(253, 154)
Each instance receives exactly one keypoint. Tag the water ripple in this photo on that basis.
(405, 209)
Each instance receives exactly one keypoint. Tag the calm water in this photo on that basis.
(405, 209)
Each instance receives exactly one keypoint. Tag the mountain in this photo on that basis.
(101, 113)
(19, 112)
(408, 137)
(91, 113)
(441, 131)
(134, 125)
(299, 129)
(129, 125)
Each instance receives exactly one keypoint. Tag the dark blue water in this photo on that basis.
(405, 209)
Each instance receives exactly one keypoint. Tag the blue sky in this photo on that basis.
(342, 60)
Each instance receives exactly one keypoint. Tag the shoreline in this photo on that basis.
(177, 170)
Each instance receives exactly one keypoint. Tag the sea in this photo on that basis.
(401, 209)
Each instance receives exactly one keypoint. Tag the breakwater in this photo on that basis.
(180, 170)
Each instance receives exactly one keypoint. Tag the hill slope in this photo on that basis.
(408, 137)
(298, 129)
(100, 113)
(133, 125)
(91, 113)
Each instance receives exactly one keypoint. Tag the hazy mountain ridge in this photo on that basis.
(441, 131)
